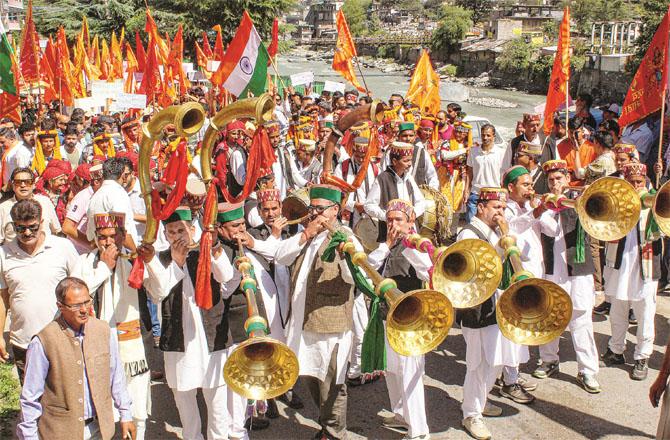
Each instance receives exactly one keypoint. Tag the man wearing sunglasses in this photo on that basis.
(31, 265)
(23, 183)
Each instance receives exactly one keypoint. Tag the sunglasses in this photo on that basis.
(21, 182)
(320, 209)
(21, 229)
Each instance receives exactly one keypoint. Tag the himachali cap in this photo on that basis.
(406, 126)
(401, 149)
(634, 169)
(361, 143)
(182, 213)
(307, 145)
(513, 173)
(96, 171)
(401, 205)
(530, 149)
(326, 123)
(486, 194)
(555, 165)
(110, 220)
(268, 195)
(229, 212)
(624, 148)
(272, 127)
(327, 192)
(531, 117)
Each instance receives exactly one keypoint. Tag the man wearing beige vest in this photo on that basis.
(74, 375)
(320, 322)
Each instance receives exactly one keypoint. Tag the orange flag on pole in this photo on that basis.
(424, 86)
(206, 48)
(559, 91)
(162, 51)
(650, 82)
(132, 67)
(345, 51)
(218, 44)
(140, 54)
(176, 58)
(151, 80)
(30, 50)
(116, 58)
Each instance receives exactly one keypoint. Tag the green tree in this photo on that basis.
(653, 12)
(455, 22)
(480, 8)
(356, 12)
(585, 12)
(516, 56)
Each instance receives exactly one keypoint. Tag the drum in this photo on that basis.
(195, 194)
(367, 231)
(435, 223)
(296, 204)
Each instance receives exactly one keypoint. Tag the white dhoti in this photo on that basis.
(582, 293)
(513, 355)
(225, 414)
(360, 315)
(644, 310)
(484, 360)
(404, 380)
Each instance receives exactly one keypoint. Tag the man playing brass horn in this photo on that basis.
(404, 374)
(320, 315)
(484, 355)
(574, 275)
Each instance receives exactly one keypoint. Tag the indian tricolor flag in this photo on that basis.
(244, 66)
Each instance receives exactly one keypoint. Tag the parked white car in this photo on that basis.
(477, 123)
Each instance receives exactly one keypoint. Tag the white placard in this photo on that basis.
(91, 102)
(125, 101)
(303, 78)
(104, 89)
(213, 66)
(333, 86)
(188, 67)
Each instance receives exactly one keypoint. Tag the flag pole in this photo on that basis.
(660, 137)
(274, 66)
(358, 64)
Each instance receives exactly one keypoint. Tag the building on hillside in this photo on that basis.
(525, 20)
(322, 17)
(303, 33)
(12, 13)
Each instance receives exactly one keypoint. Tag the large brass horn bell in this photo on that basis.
(660, 207)
(417, 321)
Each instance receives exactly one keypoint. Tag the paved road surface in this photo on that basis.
(562, 409)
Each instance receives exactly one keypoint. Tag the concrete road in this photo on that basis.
(562, 409)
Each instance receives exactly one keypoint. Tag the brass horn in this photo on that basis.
(531, 311)
(261, 367)
(608, 208)
(468, 272)
(660, 207)
(187, 119)
(417, 321)
(260, 108)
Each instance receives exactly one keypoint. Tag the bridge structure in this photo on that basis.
(410, 40)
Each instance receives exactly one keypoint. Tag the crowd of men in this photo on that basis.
(73, 217)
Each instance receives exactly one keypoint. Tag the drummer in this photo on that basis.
(347, 170)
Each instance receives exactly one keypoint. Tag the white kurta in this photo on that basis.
(626, 283)
(313, 349)
(361, 194)
(526, 228)
(196, 367)
(374, 210)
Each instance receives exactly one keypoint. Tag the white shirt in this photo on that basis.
(76, 212)
(32, 280)
(487, 166)
(361, 194)
(21, 156)
(431, 174)
(238, 165)
(50, 223)
(195, 367)
(526, 229)
(420, 261)
(73, 158)
(111, 197)
(372, 203)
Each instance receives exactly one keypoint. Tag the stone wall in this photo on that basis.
(604, 86)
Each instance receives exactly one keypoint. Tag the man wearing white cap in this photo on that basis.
(308, 165)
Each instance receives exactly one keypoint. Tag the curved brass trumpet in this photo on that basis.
(187, 119)
(468, 272)
(660, 206)
(417, 321)
(260, 367)
(608, 208)
(531, 311)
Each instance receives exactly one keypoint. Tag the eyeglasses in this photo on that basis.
(21, 182)
(77, 307)
(320, 209)
(21, 229)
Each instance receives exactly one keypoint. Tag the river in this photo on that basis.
(383, 84)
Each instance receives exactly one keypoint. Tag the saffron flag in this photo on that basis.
(345, 51)
(560, 74)
(151, 80)
(218, 53)
(245, 65)
(30, 50)
(424, 86)
(162, 50)
(645, 94)
(206, 48)
(274, 44)
(140, 54)
(132, 67)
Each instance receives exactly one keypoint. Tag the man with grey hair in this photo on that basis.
(15, 154)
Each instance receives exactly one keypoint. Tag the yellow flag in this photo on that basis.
(424, 87)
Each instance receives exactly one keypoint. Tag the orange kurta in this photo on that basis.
(587, 154)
